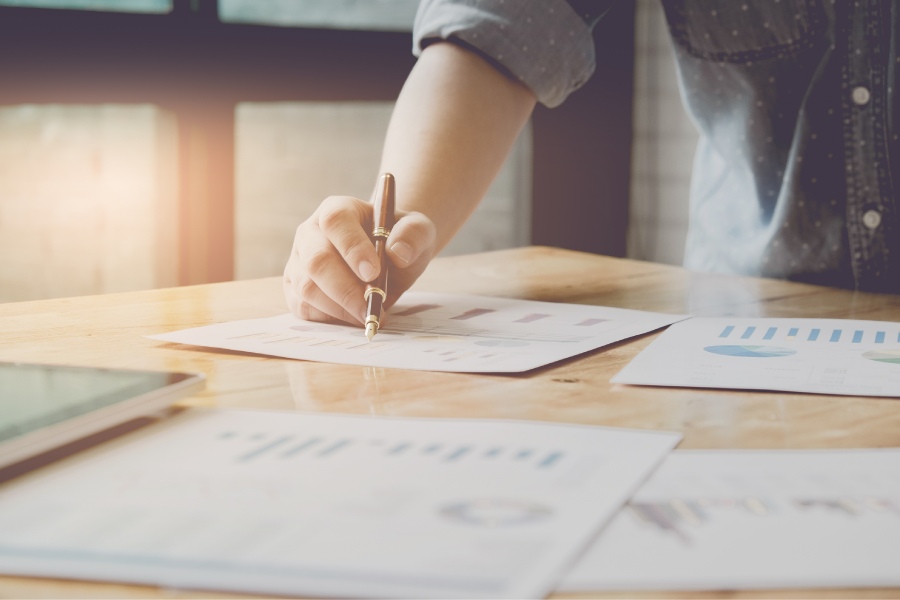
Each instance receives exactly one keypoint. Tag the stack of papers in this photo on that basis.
(299, 504)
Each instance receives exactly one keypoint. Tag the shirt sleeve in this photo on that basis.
(544, 44)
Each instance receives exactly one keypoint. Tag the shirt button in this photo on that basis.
(872, 219)
(861, 95)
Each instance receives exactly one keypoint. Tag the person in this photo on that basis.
(794, 173)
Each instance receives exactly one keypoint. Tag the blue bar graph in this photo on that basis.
(815, 334)
(458, 453)
(550, 460)
(265, 448)
(301, 447)
(332, 449)
(399, 448)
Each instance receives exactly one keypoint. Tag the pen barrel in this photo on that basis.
(383, 205)
(382, 221)
(376, 290)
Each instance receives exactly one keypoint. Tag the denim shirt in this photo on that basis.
(795, 104)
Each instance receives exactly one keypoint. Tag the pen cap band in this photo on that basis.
(374, 290)
(381, 232)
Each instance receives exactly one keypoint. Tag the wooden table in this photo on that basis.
(109, 331)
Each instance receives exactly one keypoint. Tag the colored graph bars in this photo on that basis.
(260, 446)
(811, 334)
(676, 516)
(673, 516)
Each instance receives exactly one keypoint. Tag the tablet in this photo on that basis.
(43, 407)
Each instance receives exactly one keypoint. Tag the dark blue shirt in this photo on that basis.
(796, 108)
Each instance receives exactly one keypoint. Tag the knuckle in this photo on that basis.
(333, 213)
(329, 220)
(318, 262)
(419, 227)
(307, 290)
(349, 296)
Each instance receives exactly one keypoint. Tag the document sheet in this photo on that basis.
(439, 332)
(327, 505)
(714, 520)
(823, 356)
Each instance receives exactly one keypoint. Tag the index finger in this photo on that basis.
(344, 220)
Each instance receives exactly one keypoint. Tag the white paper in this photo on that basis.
(302, 504)
(823, 356)
(439, 332)
(713, 520)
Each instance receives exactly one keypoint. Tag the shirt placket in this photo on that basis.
(869, 198)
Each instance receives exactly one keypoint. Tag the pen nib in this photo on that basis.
(371, 329)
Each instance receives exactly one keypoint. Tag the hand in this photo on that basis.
(333, 258)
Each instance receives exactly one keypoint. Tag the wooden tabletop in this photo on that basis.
(109, 331)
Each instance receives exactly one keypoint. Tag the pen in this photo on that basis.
(376, 291)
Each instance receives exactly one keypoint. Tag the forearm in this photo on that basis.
(450, 132)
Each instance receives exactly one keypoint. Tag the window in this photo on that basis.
(133, 6)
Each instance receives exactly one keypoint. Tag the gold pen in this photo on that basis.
(376, 291)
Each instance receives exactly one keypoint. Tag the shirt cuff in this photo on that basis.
(542, 43)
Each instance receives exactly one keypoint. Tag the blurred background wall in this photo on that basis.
(113, 178)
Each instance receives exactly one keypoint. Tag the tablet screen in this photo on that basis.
(34, 396)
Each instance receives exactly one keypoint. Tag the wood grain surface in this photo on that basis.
(109, 331)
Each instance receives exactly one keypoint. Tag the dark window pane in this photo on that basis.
(379, 15)
(135, 6)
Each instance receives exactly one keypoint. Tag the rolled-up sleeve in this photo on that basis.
(542, 43)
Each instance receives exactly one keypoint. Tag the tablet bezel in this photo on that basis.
(33, 443)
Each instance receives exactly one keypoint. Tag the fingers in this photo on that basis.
(339, 296)
(333, 258)
(344, 221)
(322, 279)
(410, 248)
(412, 239)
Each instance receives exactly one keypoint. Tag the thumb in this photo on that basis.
(412, 237)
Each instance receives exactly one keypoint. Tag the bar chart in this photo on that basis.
(329, 505)
(755, 520)
(823, 356)
(439, 332)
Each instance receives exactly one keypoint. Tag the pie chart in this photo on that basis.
(750, 351)
(887, 356)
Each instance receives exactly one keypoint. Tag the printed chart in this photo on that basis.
(439, 332)
(326, 505)
(754, 519)
(824, 356)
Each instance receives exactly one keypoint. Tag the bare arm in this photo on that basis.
(453, 125)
